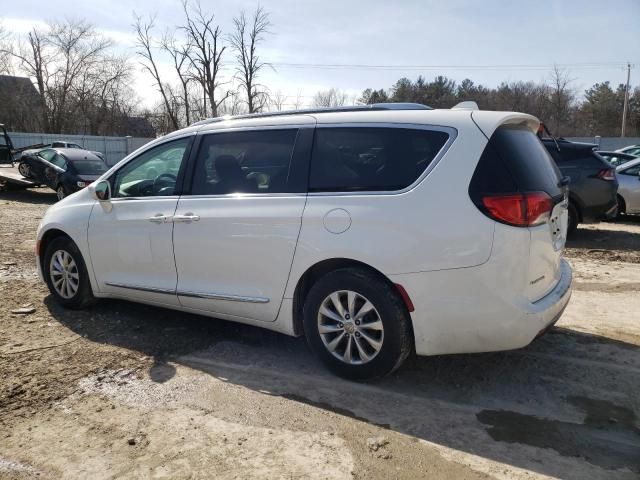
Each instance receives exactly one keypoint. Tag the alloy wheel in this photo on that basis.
(350, 327)
(24, 169)
(64, 274)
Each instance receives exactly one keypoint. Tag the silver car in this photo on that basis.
(628, 175)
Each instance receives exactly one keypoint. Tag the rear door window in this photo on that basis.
(59, 161)
(251, 161)
(47, 154)
(348, 159)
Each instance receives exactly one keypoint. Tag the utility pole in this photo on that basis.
(625, 108)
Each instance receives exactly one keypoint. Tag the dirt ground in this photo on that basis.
(129, 391)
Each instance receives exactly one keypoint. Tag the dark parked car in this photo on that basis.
(66, 170)
(60, 144)
(617, 158)
(593, 185)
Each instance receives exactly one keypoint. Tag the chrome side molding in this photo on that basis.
(223, 296)
(141, 288)
(211, 296)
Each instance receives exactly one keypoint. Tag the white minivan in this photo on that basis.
(374, 231)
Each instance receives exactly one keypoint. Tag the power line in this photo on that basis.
(354, 66)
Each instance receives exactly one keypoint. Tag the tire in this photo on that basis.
(394, 341)
(64, 248)
(572, 225)
(622, 208)
(24, 170)
(61, 192)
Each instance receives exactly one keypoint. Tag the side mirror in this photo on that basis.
(101, 190)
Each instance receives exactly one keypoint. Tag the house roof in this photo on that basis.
(17, 86)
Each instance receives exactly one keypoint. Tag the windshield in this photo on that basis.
(90, 167)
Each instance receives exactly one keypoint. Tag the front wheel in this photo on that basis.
(24, 169)
(66, 274)
(357, 324)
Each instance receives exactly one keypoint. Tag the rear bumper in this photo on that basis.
(549, 308)
(480, 314)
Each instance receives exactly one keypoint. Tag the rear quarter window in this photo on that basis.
(348, 159)
(515, 160)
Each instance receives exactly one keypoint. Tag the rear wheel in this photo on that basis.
(24, 169)
(66, 274)
(573, 220)
(622, 207)
(61, 192)
(357, 324)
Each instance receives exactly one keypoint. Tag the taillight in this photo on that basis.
(607, 174)
(519, 209)
(539, 207)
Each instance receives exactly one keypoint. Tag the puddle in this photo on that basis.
(608, 437)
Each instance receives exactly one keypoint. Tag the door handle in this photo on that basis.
(159, 218)
(186, 218)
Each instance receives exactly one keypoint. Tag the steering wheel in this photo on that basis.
(159, 182)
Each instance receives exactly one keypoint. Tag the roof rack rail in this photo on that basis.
(307, 111)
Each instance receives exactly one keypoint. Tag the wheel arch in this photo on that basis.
(47, 238)
(622, 203)
(321, 268)
(578, 205)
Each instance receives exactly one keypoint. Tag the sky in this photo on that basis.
(489, 41)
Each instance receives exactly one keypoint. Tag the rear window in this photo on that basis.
(89, 167)
(347, 159)
(515, 160)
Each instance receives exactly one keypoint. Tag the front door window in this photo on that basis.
(154, 173)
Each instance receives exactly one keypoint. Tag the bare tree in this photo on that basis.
(233, 105)
(561, 97)
(277, 101)
(205, 53)
(5, 51)
(179, 54)
(330, 98)
(60, 59)
(145, 47)
(35, 60)
(248, 34)
(79, 48)
(299, 101)
(104, 94)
